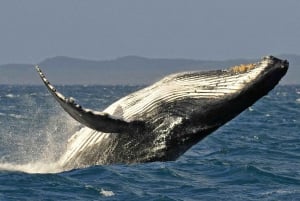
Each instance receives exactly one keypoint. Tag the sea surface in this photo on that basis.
(256, 156)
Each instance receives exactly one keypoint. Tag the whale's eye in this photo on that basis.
(242, 68)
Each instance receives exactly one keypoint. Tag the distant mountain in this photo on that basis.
(129, 70)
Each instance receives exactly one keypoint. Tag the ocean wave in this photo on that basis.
(266, 176)
(271, 193)
(253, 157)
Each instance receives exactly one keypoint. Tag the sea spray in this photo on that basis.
(40, 139)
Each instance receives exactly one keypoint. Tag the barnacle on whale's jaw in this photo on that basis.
(242, 68)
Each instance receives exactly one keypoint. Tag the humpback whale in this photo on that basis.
(162, 121)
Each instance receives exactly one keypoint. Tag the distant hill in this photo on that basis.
(129, 70)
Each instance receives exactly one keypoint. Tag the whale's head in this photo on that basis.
(215, 97)
(262, 76)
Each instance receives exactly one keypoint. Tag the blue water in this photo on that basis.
(254, 157)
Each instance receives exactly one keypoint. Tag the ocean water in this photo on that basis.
(256, 156)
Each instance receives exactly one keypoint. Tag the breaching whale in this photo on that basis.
(162, 121)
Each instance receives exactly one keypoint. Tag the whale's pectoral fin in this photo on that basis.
(99, 121)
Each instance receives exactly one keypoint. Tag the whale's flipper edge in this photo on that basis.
(99, 121)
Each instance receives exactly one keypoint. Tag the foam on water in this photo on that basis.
(33, 167)
(106, 193)
(10, 95)
(17, 116)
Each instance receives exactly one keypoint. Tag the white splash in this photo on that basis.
(34, 167)
(106, 193)
(39, 151)
(16, 116)
(10, 96)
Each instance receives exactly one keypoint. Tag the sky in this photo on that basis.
(33, 30)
